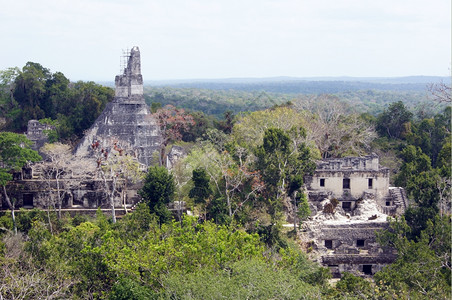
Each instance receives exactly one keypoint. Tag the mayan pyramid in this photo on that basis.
(126, 122)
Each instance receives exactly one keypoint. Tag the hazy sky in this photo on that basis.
(188, 39)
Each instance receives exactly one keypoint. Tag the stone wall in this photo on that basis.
(36, 133)
(350, 200)
(349, 179)
(126, 122)
(130, 83)
(75, 194)
(350, 247)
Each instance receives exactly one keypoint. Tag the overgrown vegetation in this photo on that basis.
(243, 174)
(35, 93)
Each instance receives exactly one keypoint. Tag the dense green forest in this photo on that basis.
(242, 164)
(36, 93)
(217, 102)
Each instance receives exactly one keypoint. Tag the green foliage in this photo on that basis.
(157, 191)
(394, 121)
(248, 279)
(421, 183)
(217, 210)
(431, 134)
(202, 123)
(271, 236)
(303, 208)
(216, 99)
(444, 162)
(36, 93)
(15, 152)
(282, 167)
(26, 218)
(128, 289)
(201, 189)
(423, 267)
(351, 285)
(249, 129)
(137, 223)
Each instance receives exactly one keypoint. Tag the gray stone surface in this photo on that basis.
(126, 121)
(176, 153)
(36, 133)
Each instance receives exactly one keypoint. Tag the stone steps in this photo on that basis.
(399, 196)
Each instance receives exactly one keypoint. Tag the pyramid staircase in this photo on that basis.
(400, 199)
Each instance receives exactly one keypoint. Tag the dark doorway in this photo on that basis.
(346, 183)
(370, 183)
(360, 243)
(367, 269)
(347, 205)
(322, 181)
(28, 200)
(329, 244)
(334, 269)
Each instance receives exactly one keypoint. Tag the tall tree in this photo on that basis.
(30, 92)
(423, 267)
(201, 187)
(15, 152)
(394, 121)
(158, 191)
(333, 128)
(282, 166)
(9, 108)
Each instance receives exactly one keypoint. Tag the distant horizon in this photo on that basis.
(420, 79)
(199, 39)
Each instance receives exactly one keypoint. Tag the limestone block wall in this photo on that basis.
(359, 182)
(352, 248)
(127, 120)
(131, 126)
(348, 235)
(130, 83)
(75, 194)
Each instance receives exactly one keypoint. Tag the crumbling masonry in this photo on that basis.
(126, 121)
(126, 125)
(350, 200)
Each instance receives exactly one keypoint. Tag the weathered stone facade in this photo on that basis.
(176, 153)
(126, 126)
(126, 121)
(350, 200)
(78, 193)
(36, 133)
(351, 179)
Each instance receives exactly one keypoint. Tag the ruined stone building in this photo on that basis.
(126, 121)
(350, 199)
(36, 132)
(126, 126)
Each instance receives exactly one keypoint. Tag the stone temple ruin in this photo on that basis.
(350, 200)
(126, 122)
(126, 125)
(36, 132)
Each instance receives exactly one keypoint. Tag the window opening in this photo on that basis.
(329, 244)
(28, 200)
(346, 205)
(370, 182)
(367, 269)
(360, 243)
(346, 183)
(322, 181)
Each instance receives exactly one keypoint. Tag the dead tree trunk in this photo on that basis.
(11, 206)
